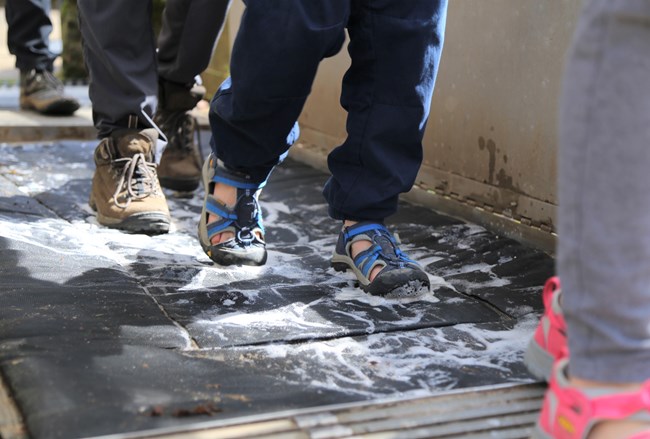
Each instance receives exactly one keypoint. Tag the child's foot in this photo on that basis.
(230, 228)
(371, 252)
(577, 408)
(615, 429)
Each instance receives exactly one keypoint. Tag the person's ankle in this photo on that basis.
(612, 429)
(582, 383)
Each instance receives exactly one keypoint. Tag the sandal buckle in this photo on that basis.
(245, 236)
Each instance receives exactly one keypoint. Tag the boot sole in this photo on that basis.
(409, 288)
(150, 223)
(59, 108)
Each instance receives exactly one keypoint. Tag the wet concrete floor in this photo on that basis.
(104, 332)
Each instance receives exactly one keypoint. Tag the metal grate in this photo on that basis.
(508, 411)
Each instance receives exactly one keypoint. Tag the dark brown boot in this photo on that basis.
(41, 91)
(180, 164)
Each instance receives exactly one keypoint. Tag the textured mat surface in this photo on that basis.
(104, 332)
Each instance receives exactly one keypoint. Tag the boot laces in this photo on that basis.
(46, 80)
(180, 127)
(138, 179)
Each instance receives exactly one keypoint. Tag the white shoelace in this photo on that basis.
(147, 173)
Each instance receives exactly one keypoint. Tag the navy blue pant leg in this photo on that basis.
(395, 48)
(273, 64)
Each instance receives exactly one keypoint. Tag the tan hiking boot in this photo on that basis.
(41, 91)
(181, 163)
(125, 191)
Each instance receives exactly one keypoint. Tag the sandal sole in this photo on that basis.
(409, 289)
(226, 259)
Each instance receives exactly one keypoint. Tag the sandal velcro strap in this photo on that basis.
(385, 247)
(216, 207)
(366, 259)
(227, 217)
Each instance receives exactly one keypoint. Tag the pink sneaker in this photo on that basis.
(569, 413)
(549, 341)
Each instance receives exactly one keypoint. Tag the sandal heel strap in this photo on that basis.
(634, 405)
(574, 412)
(362, 229)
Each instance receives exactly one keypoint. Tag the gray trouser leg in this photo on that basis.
(604, 188)
(120, 53)
(29, 29)
(187, 39)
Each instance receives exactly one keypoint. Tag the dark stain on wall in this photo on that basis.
(505, 181)
(492, 150)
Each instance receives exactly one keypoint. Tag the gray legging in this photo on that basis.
(120, 52)
(604, 188)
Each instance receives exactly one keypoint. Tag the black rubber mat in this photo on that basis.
(103, 332)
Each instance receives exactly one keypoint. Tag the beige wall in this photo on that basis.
(491, 139)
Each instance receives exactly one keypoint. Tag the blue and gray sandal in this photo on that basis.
(244, 220)
(399, 277)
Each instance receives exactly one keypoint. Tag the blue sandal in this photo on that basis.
(399, 277)
(244, 220)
